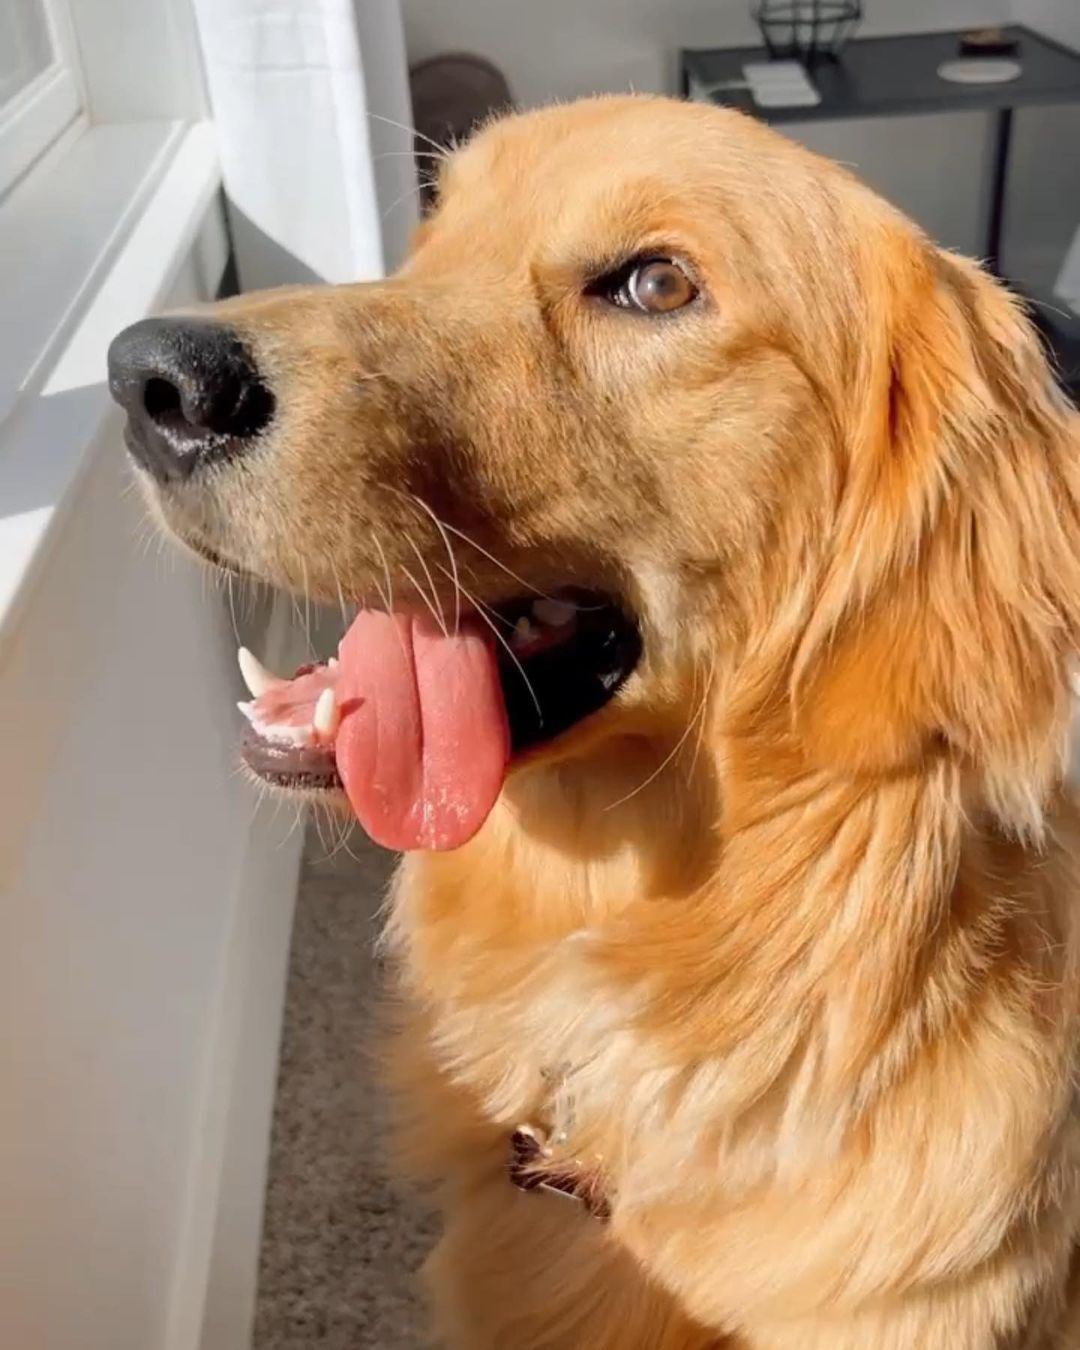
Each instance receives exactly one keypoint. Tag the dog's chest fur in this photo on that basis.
(491, 962)
(491, 942)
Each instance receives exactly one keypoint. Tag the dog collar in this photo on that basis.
(529, 1171)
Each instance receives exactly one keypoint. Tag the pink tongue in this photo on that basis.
(423, 743)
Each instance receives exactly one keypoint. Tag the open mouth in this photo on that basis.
(416, 722)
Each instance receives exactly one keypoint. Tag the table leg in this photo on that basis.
(998, 183)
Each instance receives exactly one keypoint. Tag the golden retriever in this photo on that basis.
(717, 539)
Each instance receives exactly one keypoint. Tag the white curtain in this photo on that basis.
(310, 99)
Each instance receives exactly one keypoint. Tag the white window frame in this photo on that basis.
(97, 140)
(110, 209)
(33, 120)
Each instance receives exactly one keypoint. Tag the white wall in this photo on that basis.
(935, 168)
(1044, 191)
(565, 48)
(1059, 19)
(144, 909)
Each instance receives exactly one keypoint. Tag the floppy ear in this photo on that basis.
(951, 605)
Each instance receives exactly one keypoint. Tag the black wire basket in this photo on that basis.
(806, 30)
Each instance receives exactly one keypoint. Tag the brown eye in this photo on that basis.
(658, 287)
(648, 285)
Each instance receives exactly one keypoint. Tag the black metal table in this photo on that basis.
(888, 76)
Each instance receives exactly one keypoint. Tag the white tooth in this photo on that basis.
(257, 678)
(248, 709)
(333, 663)
(555, 613)
(325, 717)
(523, 630)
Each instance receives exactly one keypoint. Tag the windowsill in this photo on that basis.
(60, 229)
(70, 292)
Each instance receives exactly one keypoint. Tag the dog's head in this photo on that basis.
(664, 419)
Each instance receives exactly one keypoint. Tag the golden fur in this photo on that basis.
(785, 937)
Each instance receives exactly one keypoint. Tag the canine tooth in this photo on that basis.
(523, 630)
(332, 663)
(257, 678)
(554, 613)
(248, 709)
(325, 717)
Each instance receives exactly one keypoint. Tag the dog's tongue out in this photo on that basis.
(423, 742)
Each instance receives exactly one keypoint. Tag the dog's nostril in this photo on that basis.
(248, 413)
(161, 399)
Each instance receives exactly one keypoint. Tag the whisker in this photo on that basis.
(341, 599)
(389, 598)
(317, 819)
(251, 593)
(301, 814)
(232, 608)
(345, 845)
(453, 561)
(1048, 307)
(326, 817)
(409, 192)
(412, 131)
(509, 651)
(307, 607)
(512, 574)
(344, 834)
(699, 740)
(383, 597)
(297, 614)
(431, 583)
(409, 154)
(475, 600)
(427, 601)
(144, 535)
(698, 714)
(342, 843)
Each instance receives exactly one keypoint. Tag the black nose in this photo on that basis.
(192, 393)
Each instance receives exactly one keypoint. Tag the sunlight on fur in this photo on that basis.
(782, 943)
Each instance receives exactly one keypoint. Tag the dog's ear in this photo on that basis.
(951, 605)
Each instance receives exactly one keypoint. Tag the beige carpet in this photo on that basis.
(341, 1245)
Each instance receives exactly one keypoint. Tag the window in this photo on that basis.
(108, 176)
(39, 87)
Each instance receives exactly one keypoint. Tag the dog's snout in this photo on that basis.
(192, 393)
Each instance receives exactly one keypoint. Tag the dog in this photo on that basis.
(716, 538)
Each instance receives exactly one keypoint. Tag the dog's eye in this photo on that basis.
(649, 285)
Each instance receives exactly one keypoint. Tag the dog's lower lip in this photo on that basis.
(309, 768)
(205, 553)
(215, 559)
